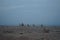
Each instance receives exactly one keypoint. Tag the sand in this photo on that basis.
(29, 33)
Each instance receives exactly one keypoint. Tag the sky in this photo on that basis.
(46, 12)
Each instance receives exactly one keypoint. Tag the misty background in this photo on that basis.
(46, 12)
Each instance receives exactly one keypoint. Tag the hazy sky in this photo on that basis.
(13, 12)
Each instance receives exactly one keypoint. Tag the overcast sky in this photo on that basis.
(13, 12)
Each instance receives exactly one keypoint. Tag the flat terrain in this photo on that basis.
(29, 33)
